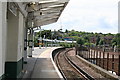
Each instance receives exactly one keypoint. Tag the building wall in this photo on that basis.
(11, 42)
(20, 37)
(3, 8)
(15, 37)
(0, 40)
(12, 37)
(4, 33)
(15, 45)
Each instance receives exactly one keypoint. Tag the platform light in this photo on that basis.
(33, 3)
(40, 13)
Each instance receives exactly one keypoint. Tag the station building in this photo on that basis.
(17, 20)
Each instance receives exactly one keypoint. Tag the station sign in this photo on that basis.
(40, 43)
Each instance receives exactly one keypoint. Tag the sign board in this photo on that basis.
(40, 43)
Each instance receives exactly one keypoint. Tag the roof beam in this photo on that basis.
(46, 11)
(45, 22)
(45, 18)
(48, 15)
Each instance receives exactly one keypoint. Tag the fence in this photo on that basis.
(107, 60)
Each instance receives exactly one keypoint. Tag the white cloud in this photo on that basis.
(89, 15)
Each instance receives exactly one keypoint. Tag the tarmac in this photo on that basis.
(40, 66)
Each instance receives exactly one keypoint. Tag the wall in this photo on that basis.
(15, 45)
(3, 8)
(0, 40)
(12, 37)
(20, 37)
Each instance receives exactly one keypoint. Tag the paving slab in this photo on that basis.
(40, 65)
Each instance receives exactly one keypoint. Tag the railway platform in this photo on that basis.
(40, 65)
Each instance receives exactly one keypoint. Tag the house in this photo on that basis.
(108, 39)
(93, 39)
(68, 39)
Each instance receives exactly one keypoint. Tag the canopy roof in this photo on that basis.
(44, 12)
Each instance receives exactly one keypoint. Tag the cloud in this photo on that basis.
(89, 15)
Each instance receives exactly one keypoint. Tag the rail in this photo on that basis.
(81, 71)
(76, 67)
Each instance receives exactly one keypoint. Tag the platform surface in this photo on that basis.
(40, 65)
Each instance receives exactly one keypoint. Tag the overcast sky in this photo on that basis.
(89, 15)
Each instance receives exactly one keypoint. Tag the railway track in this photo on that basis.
(68, 68)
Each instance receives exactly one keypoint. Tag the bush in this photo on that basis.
(87, 44)
(80, 41)
(67, 45)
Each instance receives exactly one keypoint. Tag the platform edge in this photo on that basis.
(58, 72)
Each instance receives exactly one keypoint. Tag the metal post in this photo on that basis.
(30, 42)
(91, 55)
(40, 41)
(107, 61)
(112, 63)
(76, 50)
(100, 58)
(119, 66)
(33, 40)
(25, 45)
(52, 39)
(87, 55)
(103, 59)
(96, 57)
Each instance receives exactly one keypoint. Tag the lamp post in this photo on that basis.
(40, 39)
(55, 42)
(44, 41)
(51, 39)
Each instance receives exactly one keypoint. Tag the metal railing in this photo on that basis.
(107, 60)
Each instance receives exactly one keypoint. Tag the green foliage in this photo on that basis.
(36, 41)
(74, 37)
(116, 40)
(86, 38)
(67, 45)
(62, 44)
(80, 41)
(101, 42)
(97, 41)
(92, 45)
(47, 34)
(87, 44)
(66, 31)
(82, 38)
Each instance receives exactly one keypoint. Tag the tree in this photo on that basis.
(98, 39)
(86, 38)
(87, 44)
(47, 34)
(101, 42)
(116, 40)
(80, 41)
(66, 31)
